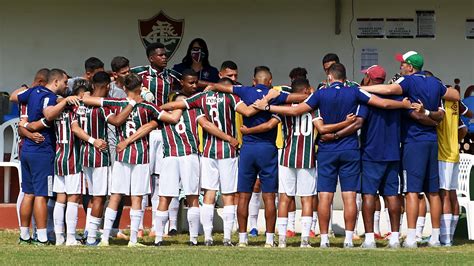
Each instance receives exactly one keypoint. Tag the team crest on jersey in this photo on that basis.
(164, 29)
(213, 100)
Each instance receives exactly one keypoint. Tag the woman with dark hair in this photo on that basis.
(197, 59)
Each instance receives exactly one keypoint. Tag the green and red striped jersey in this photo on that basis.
(299, 140)
(181, 139)
(93, 121)
(160, 84)
(142, 113)
(68, 146)
(219, 108)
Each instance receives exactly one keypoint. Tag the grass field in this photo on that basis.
(178, 253)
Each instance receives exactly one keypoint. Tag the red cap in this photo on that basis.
(376, 73)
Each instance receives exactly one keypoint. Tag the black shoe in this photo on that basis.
(193, 244)
(39, 243)
(227, 243)
(209, 243)
(23, 242)
(172, 232)
(158, 244)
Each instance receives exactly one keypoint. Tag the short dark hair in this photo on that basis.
(150, 49)
(258, 69)
(338, 71)
(229, 64)
(81, 84)
(298, 72)
(189, 73)
(55, 73)
(298, 83)
(225, 80)
(101, 77)
(43, 72)
(93, 63)
(132, 81)
(118, 63)
(330, 57)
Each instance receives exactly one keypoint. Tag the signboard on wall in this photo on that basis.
(370, 28)
(470, 28)
(368, 57)
(400, 28)
(425, 24)
(164, 29)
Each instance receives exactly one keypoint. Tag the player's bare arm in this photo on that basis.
(423, 119)
(331, 128)
(215, 131)
(80, 133)
(452, 95)
(14, 95)
(388, 103)
(246, 110)
(53, 112)
(173, 106)
(351, 129)
(283, 110)
(220, 87)
(437, 116)
(26, 133)
(264, 127)
(384, 89)
(119, 119)
(140, 133)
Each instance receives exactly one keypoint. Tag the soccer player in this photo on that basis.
(328, 60)
(229, 70)
(258, 154)
(159, 81)
(67, 182)
(420, 147)
(37, 159)
(92, 65)
(219, 160)
(340, 157)
(90, 125)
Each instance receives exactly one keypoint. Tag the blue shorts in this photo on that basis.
(380, 176)
(420, 167)
(37, 171)
(345, 164)
(258, 159)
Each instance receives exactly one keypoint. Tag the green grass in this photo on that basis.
(176, 252)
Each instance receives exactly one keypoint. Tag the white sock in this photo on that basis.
(291, 221)
(377, 222)
(160, 223)
(348, 238)
(109, 219)
(434, 235)
(269, 239)
(324, 239)
(282, 225)
(401, 221)
(411, 236)
(153, 218)
(420, 224)
(144, 204)
(25, 233)
(387, 217)
(88, 218)
(454, 224)
(71, 221)
(305, 227)
(314, 222)
(207, 219)
(94, 224)
(446, 228)
(254, 208)
(50, 222)
(193, 222)
(369, 238)
(42, 235)
(229, 218)
(19, 199)
(135, 217)
(173, 214)
(243, 238)
(58, 217)
(154, 207)
(394, 237)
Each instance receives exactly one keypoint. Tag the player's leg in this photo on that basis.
(291, 230)
(378, 207)
(305, 188)
(254, 208)
(59, 187)
(287, 193)
(446, 170)
(454, 201)
(210, 185)
(390, 189)
(98, 188)
(314, 223)
(139, 188)
(189, 173)
(431, 187)
(228, 182)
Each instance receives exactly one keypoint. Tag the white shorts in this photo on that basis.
(448, 175)
(297, 181)
(97, 180)
(184, 169)
(155, 143)
(219, 174)
(130, 179)
(69, 184)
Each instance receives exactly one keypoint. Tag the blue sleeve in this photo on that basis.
(362, 95)
(363, 111)
(280, 99)
(49, 100)
(240, 91)
(405, 83)
(313, 100)
(23, 96)
(442, 89)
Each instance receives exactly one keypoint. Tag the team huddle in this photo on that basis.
(169, 133)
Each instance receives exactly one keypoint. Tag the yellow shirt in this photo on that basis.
(448, 150)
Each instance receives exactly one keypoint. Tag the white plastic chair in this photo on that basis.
(14, 158)
(466, 161)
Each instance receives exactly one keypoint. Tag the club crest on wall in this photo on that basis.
(164, 29)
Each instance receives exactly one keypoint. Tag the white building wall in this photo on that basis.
(280, 33)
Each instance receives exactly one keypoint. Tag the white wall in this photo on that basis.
(280, 33)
